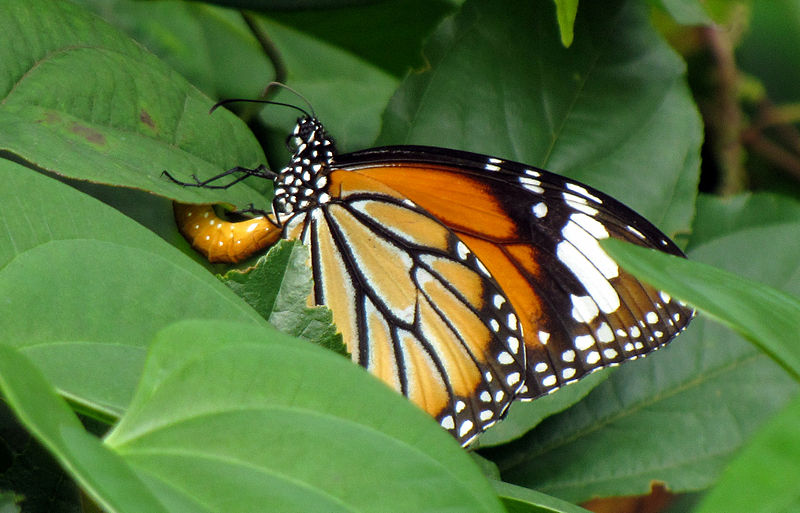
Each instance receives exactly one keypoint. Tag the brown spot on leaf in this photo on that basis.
(145, 118)
(90, 134)
(51, 117)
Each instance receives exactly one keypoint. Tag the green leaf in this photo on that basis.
(770, 49)
(719, 216)
(677, 416)
(278, 286)
(99, 471)
(763, 478)
(686, 12)
(613, 110)
(767, 317)
(566, 10)
(517, 499)
(232, 417)
(210, 46)
(82, 100)
(348, 94)
(387, 34)
(103, 283)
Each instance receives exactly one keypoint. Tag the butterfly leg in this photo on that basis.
(239, 173)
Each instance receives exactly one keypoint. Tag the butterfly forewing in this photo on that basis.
(538, 233)
(415, 305)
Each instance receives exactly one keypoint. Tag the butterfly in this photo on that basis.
(462, 281)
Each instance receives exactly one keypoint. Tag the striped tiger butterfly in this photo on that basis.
(462, 281)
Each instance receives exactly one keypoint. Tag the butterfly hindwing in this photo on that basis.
(415, 305)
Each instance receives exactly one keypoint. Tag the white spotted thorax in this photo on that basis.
(301, 185)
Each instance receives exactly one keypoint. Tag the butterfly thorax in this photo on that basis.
(302, 184)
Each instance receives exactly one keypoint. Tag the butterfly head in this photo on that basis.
(302, 184)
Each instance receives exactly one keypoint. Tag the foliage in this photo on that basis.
(190, 400)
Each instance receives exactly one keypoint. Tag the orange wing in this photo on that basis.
(538, 234)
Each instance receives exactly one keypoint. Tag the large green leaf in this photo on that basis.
(85, 288)
(100, 472)
(210, 46)
(230, 417)
(236, 417)
(763, 479)
(613, 110)
(677, 416)
(365, 29)
(82, 100)
(347, 93)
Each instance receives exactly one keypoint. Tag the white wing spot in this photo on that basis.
(499, 396)
(593, 357)
(549, 381)
(505, 358)
(635, 332)
(448, 423)
(513, 344)
(494, 325)
(511, 322)
(604, 333)
(567, 372)
(651, 317)
(584, 309)
(568, 355)
(540, 367)
(544, 337)
(610, 353)
(513, 378)
(583, 192)
(462, 250)
(532, 185)
(486, 415)
(465, 428)
(486, 396)
(539, 210)
(584, 342)
(498, 301)
(635, 232)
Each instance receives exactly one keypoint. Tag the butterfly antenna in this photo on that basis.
(249, 100)
(293, 91)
